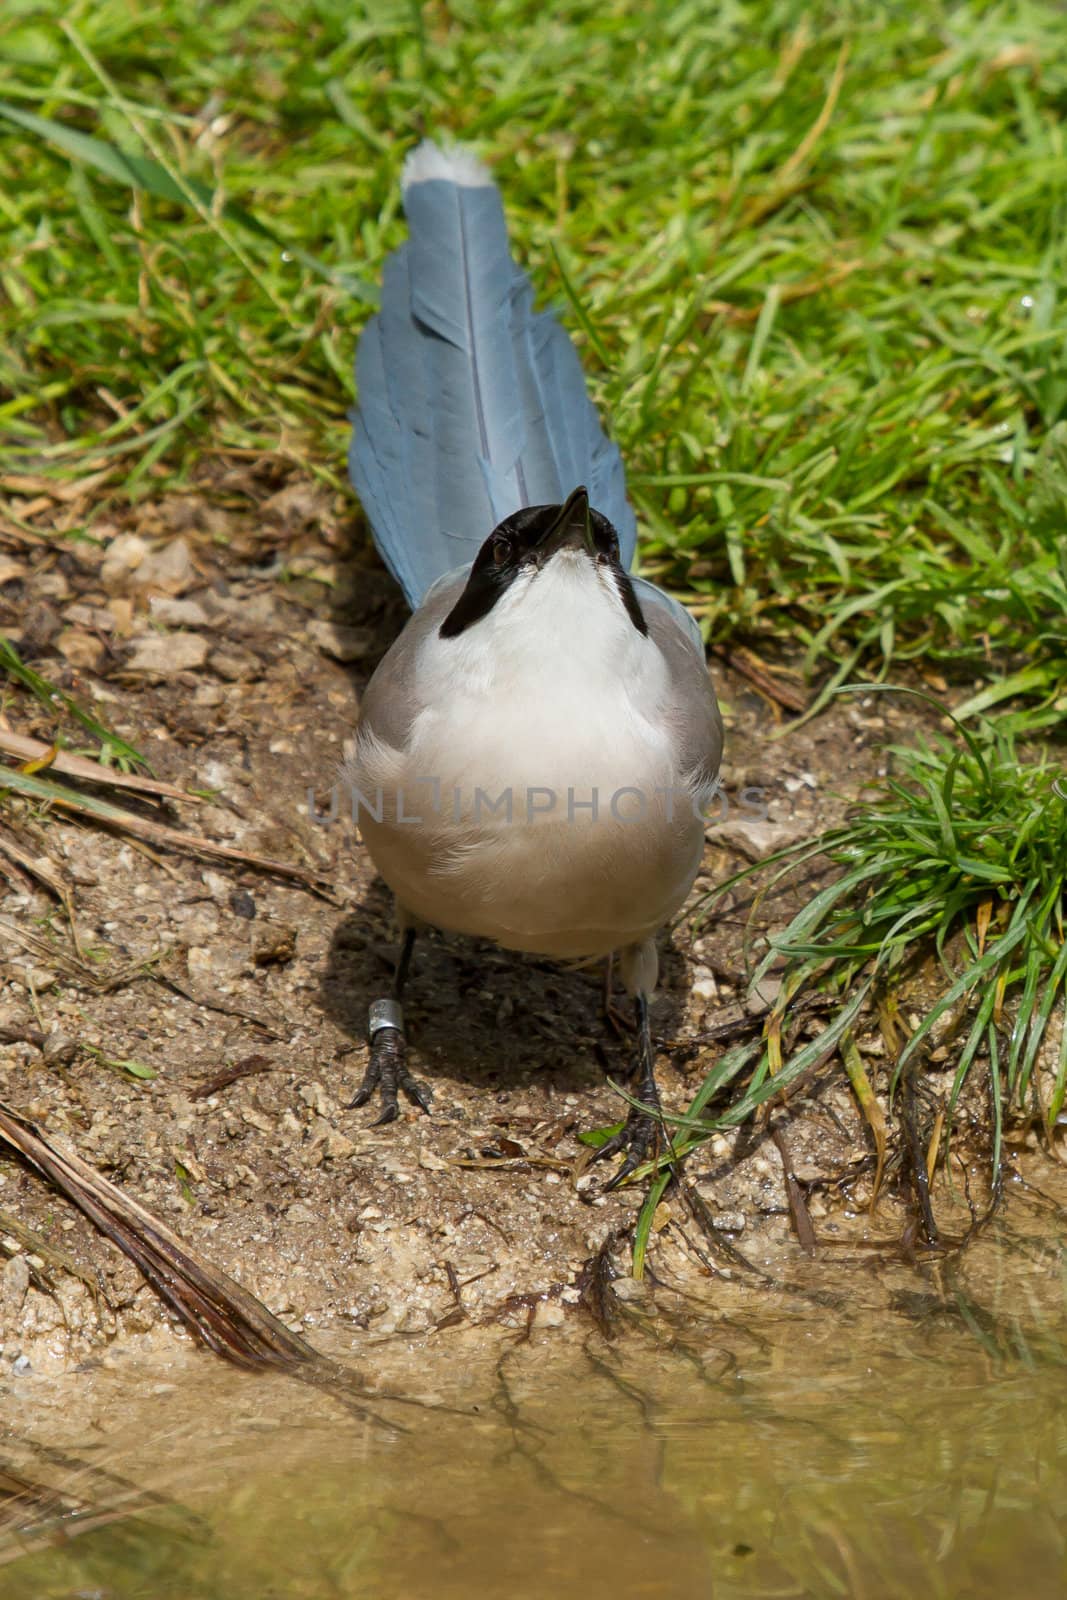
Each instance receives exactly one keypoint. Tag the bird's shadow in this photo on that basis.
(484, 1017)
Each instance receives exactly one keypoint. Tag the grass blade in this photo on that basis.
(115, 748)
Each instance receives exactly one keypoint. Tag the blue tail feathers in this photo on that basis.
(471, 404)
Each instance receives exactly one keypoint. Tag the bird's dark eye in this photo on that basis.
(501, 551)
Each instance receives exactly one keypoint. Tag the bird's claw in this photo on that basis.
(640, 1138)
(387, 1070)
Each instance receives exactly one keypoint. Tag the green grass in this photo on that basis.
(948, 908)
(935, 933)
(818, 253)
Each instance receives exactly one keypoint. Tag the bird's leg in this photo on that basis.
(616, 1021)
(386, 1070)
(641, 1137)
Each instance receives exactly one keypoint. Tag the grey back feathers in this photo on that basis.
(471, 404)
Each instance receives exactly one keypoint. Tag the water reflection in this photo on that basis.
(911, 1442)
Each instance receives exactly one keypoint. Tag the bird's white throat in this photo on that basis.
(564, 624)
(555, 686)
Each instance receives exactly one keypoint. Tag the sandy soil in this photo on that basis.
(228, 633)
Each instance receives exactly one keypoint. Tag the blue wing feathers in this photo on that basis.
(471, 404)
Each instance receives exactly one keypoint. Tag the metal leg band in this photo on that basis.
(384, 1014)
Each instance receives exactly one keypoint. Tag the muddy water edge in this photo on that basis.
(878, 1430)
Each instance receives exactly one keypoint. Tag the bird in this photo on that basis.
(535, 750)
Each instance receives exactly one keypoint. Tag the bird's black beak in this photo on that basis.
(571, 529)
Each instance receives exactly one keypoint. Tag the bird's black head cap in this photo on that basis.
(529, 539)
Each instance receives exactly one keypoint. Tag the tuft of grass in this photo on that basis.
(813, 254)
(956, 871)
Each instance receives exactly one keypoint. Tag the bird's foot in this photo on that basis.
(387, 1069)
(641, 1138)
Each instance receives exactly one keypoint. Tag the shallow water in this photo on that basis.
(906, 1437)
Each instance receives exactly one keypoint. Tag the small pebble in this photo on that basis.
(242, 904)
(728, 1222)
(59, 1049)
